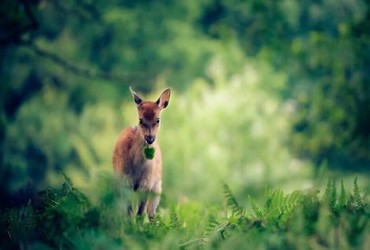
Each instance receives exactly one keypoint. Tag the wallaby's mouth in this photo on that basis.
(149, 139)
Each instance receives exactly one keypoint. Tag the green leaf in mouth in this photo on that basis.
(149, 152)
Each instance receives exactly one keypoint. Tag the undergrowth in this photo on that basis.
(65, 218)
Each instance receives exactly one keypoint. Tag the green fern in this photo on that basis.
(276, 199)
(278, 207)
(311, 211)
(174, 219)
(222, 227)
(281, 206)
(157, 222)
(232, 203)
(357, 200)
(258, 210)
(211, 226)
(330, 195)
(342, 199)
(216, 227)
(67, 217)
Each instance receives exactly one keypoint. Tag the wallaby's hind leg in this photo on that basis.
(153, 202)
(141, 209)
(137, 204)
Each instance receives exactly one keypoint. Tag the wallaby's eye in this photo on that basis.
(142, 124)
(156, 123)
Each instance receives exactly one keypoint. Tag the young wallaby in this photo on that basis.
(137, 155)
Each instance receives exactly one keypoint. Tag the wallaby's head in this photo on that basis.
(150, 114)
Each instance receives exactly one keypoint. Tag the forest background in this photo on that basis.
(264, 93)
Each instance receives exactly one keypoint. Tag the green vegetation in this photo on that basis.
(65, 218)
(270, 99)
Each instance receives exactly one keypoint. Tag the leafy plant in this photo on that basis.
(64, 217)
(356, 200)
(231, 203)
(278, 207)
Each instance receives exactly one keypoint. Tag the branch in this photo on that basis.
(88, 11)
(85, 72)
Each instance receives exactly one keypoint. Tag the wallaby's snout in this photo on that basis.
(149, 139)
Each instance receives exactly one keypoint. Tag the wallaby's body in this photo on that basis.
(142, 174)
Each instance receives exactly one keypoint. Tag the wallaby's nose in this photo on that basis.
(149, 139)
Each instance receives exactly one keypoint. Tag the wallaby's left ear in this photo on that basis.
(136, 97)
(164, 99)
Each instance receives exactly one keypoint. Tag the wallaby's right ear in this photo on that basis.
(136, 97)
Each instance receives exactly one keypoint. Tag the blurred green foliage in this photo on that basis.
(265, 93)
(323, 46)
(63, 217)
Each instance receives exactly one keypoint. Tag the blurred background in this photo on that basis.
(265, 93)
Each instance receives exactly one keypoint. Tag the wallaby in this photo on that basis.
(137, 155)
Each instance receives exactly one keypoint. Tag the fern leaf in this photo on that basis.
(292, 201)
(211, 226)
(357, 196)
(258, 211)
(157, 223)
(330, 195)
(174, 219)
(342, 198)
(277, 199)
(215, 227)
(231, 202)
(282, 205)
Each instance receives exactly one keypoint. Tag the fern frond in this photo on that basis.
(231, 202)
(258, 211)
(211, 226)
(278, 206)
(216, 227)
(194, 243)
(157, 222)
(277, 199)
(342, 198)
(174, 219)
(221, 227)
(282, 205)
(330, 195)
(359, 205)
(311, 208)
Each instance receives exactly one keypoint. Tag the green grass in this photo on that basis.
(65, 217)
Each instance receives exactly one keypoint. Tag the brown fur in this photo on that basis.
(128, 159)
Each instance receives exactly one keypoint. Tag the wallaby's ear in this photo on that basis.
(164, 99)
(136, 97)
